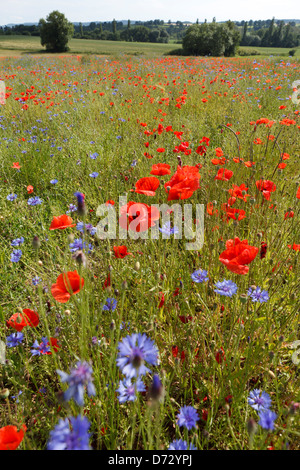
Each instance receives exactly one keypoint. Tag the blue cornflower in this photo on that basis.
(156, 389)
(81, 207)
(227, 288)
(88, 227)
(94, 174)
(127, 390)
(267, 418)
(258, 295)
(134, 351)
(34, 201)
(167, 229)
(179, 444)
(16, 256)
(72, 208)
(17, 241)
(93, 156)
(78, 245)
(111, 304)
(79, 377)
(41, 348)
(134, 163)
(11, 197)
(36, 280)
(187, 417)
(14, 339)
(62, 438)
(259, 400)
(54, 181)
(199, 276)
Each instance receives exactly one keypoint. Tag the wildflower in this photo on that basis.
(258, 295)
(121, 251)
(67, 284)
(156, 388)
(183, 183)
(168, 230)
(266, 187)
(34, 201)
(237, 255)
(259, 400)
(61, 222)
(134, 351)
(160, 169)
(138, 217)
(63, 438)
(224, 174)
(40, 348)
(54, 181)
(110, 305)
(179, 444)
(10, 437)
(16, 256)
(17, 241)
(94, 174)
(147, 185)
(78, 244)
(199, 276)
(93, 156)
(72, 208)
(79, 378)
(227, 288)
(18, 320)
(267, 418)
(11, 197)
(187, 417)
(82, 210)
(127, 390)
(14, 340)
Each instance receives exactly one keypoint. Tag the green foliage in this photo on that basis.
(55, 32)
(211, 39)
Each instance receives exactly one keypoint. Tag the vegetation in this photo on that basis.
(55, 32)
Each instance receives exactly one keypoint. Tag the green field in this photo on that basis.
(20, 45)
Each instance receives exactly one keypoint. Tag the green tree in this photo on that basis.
(211, 39)
(55, 32)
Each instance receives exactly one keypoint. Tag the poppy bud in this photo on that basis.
(243, 298)
(70, 238)
(137, 266)
(156, 388)
(112, 326)
(124, 285)
(80, 258)
(252, 200)
(36, 243)
(4, 393)
(67, 312)
(251, 426)
(81, 207)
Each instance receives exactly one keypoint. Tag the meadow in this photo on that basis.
(136, 343)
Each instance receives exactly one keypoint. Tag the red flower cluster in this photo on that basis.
(237, 255)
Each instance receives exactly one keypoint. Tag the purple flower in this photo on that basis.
(94, 174)
(179, 444)
(259, 400)
(63, 438)
(134, 351)
(267, 418)
(41, 348)
(14, 339)
(110, 305)
(82, 210)
(54, 181)
(93, 156)
(11, 197)
(127, 390)
(78, 245)
(17, 241)
(16, 256)
(187, 417)
(156, 389)
(258, 295)
(199, 276)
(36, 280)
(72, 208)
(227, 288)
(34, 201)
(167, 229)
(79, 377)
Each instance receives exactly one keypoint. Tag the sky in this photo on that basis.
(30, 11)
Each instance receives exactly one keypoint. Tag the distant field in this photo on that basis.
(19, 45)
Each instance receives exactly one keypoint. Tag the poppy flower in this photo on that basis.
(147, 186)
(61, 222)
(263, 250)
(162, 300)
(10, 437)
(210, 209)
(18, 321)
(237, 255)
(266, 187)
(232, 213)
(183, 183)
(121, 251)
(30, 189)
(298, 193)
(16, 165)
(239, 192)
(137, 216)
(224, 174)
(67, 284)
(160, 169)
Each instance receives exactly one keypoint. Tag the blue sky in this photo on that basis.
(24, 11)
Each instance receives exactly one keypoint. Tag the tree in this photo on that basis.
(55, 32)
(211, 39)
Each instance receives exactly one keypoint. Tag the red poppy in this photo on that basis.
(224, 174)
(10, 437)
(138, 216)
(219, 161)
(239, 192)
(121, 251)
(16, 165)
(110, 202)
(237, 255)
(183, 183)
(289, 214)
(298, 193)
(263, 250)
(18, 320)
(162, 300)
(295, 247)
(266, 187)
(232, 213)
(53, 342)
(160, 169)
(210, 209)
(67, 284)
(147, 186)
(61, 222)
(30, 189)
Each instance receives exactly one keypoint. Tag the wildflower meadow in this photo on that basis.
(119, 328)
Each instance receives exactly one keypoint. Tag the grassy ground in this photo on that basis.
(97, 125)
